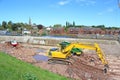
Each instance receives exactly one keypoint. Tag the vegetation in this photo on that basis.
(20, 26)
(14, 69)
(40, 26)
(10, 26)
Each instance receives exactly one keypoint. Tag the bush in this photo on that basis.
(29, 76)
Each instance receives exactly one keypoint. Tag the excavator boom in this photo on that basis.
(94, 46)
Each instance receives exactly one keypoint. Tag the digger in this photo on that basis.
(66, 50)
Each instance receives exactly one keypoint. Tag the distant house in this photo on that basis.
(57, 30)
(85, 30)
(48, 28)
(117, 32)
(3, 32)
(97, 31)
(26, 32)
(73, 30)
(34, 26)
(112, 32)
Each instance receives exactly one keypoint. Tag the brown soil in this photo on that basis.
(82, 68)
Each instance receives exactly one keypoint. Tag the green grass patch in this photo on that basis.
(14, 69)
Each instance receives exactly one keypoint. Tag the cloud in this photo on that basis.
(108, 10)
(61, 3)
(79, 2)
(100, 13)
(109, 1)
(86, 2)
(92, 2)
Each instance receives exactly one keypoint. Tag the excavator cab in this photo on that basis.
(73, 51)
(63, 45)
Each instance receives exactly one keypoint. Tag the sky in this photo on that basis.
(50, 12)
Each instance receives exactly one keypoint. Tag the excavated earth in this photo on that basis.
(84, 67)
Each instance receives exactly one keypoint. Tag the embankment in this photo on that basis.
(108, 46)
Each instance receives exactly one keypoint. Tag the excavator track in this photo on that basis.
(58, 61)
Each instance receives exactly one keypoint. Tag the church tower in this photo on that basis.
(30, 21)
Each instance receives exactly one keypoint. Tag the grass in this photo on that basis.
(14, 69)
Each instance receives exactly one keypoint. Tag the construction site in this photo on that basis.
(77, 59)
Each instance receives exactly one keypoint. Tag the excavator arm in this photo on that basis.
(94, 46)
(100, 54)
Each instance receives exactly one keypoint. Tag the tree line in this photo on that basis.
(10, 26)
(68, 25)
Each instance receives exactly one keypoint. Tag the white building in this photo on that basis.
(26, 32)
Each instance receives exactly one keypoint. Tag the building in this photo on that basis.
(73, 30)
(3, 32)
(57, 31)
(26, 32)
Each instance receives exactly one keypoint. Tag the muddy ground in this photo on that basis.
(81, 67)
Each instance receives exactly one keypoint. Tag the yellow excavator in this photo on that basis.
(67, 50)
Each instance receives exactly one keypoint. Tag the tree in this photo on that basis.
(4, 24)
(73, 24)
(101, 27)
(67, 23)
(79, 26)
(40, 26)
(57, 25)
(10, 25)
(14, 27)
(27, 26)
(1, 28)
(93, 26)
(0, 25)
